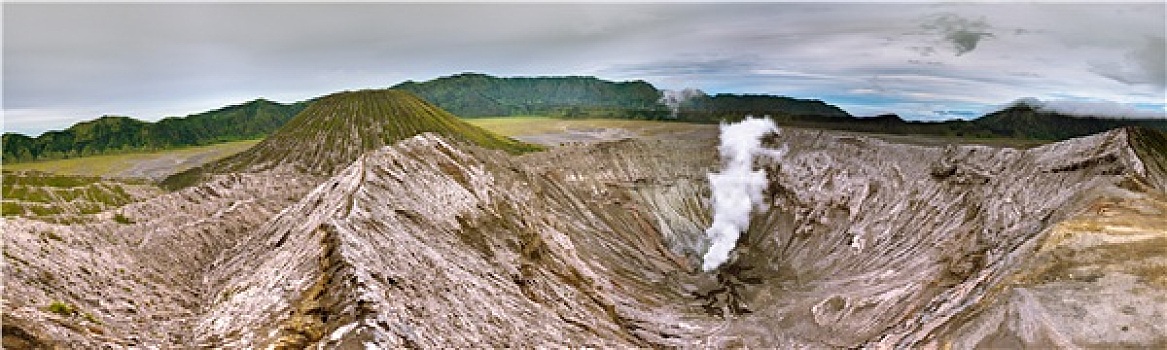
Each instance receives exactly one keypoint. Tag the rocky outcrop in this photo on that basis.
(427, 244)
(134, 281)
(1096, 280)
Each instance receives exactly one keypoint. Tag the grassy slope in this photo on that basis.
(518, 126)
(114, 164)
(66, 198)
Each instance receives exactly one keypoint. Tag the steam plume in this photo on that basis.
(738, 188)
(674, 98)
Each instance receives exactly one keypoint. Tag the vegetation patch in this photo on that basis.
(51, 235)
(89, 317)
(61, 308)
(15, 179)
(11, 208)
(122, 219)
(121, 164)
(526, 125)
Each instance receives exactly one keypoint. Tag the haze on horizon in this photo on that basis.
(64, 63)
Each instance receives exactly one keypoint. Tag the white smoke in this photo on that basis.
(738, 188)
(674, 98)
(1097, 109)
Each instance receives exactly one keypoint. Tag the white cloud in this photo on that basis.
(1102, 109)
(33, 121)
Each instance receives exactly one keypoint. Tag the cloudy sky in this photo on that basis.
(64, 63)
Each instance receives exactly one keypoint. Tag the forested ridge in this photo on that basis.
(477, 95)
(114, 134)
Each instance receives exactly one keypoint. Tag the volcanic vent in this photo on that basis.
(326, 238)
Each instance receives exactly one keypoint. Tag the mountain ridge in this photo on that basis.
(336, 129)
(476, 94)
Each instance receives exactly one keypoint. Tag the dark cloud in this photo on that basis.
(923, 50)
(964, 34)
(965, 41)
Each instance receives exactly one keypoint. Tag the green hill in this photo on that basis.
(114, 134)
(336, 129)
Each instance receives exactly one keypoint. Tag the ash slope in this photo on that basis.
(432, 242)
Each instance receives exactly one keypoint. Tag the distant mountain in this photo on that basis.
(338, 128)
(1018, 121)
(112, 134)
(1027, 121)
(476, 95)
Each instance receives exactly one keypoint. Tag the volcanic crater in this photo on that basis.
(375, 218)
